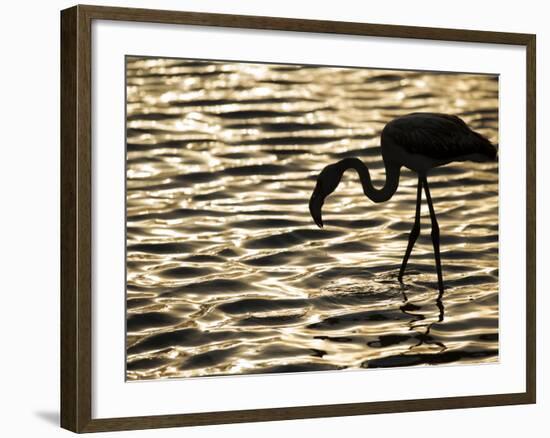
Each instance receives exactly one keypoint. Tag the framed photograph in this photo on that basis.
(270, 218)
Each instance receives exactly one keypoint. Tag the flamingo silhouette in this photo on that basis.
(420, 142)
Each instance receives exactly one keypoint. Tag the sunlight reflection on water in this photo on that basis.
(228, 274)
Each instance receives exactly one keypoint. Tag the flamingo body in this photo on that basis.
(422, 141)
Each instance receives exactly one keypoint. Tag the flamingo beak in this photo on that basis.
(315, 204)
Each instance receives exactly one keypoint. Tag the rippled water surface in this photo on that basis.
(226, 271)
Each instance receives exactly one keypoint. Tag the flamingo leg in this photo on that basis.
(415, 231)
(435, 239)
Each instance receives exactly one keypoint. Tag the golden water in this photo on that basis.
(226, 271)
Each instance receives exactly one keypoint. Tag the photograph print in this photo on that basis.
(298, 218)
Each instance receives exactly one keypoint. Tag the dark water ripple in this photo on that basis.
(226, 272)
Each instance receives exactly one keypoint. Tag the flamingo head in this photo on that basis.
(327, 182)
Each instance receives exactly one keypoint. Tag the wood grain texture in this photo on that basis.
(69, 328)
(531, 250)
(276, 414)
(76, 220)
(300, 25)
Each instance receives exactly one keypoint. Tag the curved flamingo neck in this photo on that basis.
(376, 195)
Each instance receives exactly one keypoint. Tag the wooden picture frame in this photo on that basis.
(76, 218)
